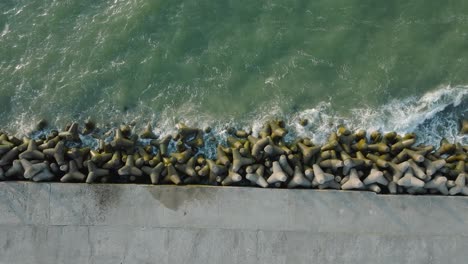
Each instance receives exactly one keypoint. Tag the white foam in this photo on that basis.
(400, 115)
(5, 31)
(424, 115)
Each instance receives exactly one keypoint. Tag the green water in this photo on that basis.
(226, 60)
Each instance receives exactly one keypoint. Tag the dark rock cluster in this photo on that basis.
(379, 162)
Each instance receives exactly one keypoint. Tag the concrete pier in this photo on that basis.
(80, 223)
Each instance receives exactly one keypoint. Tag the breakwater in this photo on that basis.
(377, 162)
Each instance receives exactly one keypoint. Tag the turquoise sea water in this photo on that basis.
(390, 65)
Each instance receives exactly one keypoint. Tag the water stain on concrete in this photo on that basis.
(173, 198)
(105, 197)
(7, 244)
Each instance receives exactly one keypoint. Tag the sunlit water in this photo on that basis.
(389, 65)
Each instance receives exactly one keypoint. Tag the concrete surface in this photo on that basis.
(79, 223)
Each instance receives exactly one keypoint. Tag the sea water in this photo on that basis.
(375, 65)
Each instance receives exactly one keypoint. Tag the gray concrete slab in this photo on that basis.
(104, 244)
(231, 208)
(79, 223)
(24, 203)
(305, 247)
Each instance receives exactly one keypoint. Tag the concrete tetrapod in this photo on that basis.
(154, 172)
(375, 176)
(257, 177)
(409, 180)
(4, 140)
(330, 145)
(415, 156)
(126, 129)
(299, 179)
(464, 127)
(433, 166)
(265, 131)
(89, 126)
(16, 170)
(100, 158)
(120, 142)
(445, 148)
(144, 154)
(349, 163)
(360, 134)
(94, 172)
(58, 152)
(374, 188)
(278, 174)
(332, 164)
(257, 148)
(308, 152)
(148, 133)
(73, 174)
(49, 143)
(32, 153)
(381, 163)
(273, 150)
(130, 169)
(309, 174)
(115, 162)
(332, 184)
(361, 145)
(187, 168)
(418, 172)
(392, 187)
(71, 134)
(182, 157)
(320, 176)
(378, 147)
(9, 156)
(30, 169)
(353, 183)
(77, 155)
(277, 131)
(241, 133)
(197, 141)
(222, 156)
(186, 133)
(239, 161)
(346, 139)
(367, 162)
(283, 161)
(439, 183)
(400, 145)
(215, 171)
(232, 177)
(5, 148)
(460, 185)
(172, 176)
(44, 174)
(398, 169)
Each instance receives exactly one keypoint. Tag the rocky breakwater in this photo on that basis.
(385, 163)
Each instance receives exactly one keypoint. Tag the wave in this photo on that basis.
(432, 116)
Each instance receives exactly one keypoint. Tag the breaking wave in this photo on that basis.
(433, 116)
